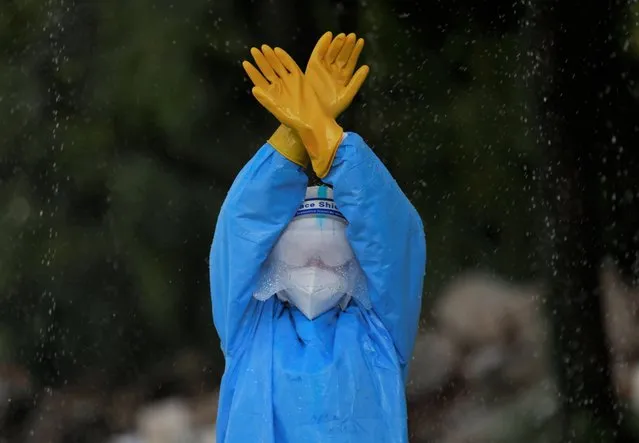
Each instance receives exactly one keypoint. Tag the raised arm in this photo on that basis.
(387, 236)
(259, 205)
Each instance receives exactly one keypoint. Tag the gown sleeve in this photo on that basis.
(387, 236)
(258, 207)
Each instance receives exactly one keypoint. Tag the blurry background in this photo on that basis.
(511, 126)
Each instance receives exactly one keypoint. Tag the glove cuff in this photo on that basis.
(322, 141)
(286, 141)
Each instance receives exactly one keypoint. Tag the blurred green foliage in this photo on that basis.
(123, 123)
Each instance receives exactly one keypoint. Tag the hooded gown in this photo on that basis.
(339, 378)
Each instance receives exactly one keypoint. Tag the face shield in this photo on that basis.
(312, 266)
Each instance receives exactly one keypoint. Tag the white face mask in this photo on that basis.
(314, 290)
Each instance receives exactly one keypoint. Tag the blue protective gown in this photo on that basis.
(339, 378)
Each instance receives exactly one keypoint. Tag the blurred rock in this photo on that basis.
(165, 422)
(621, 307)
(71, 414)
(173, 402)
(621, 316)
(435, 361)
(634, 388)
(183, 375)
(484, 358)
(206, 435)
(474, 421)
(204, 410)
(174, 420)
(122, 407)
(127, 438)
(499, 330)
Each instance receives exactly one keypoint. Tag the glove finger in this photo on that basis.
(354, 57)
(345, 53)
(255, 75)
(264, 65)
(357, 81)
(335, 47)
(321, 48)
(287, 61)
(272, 60)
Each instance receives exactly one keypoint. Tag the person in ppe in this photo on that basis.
(316, 291)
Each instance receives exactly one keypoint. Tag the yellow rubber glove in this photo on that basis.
(330, 71)
(292, 100)
(284, 139)
(336, 57)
